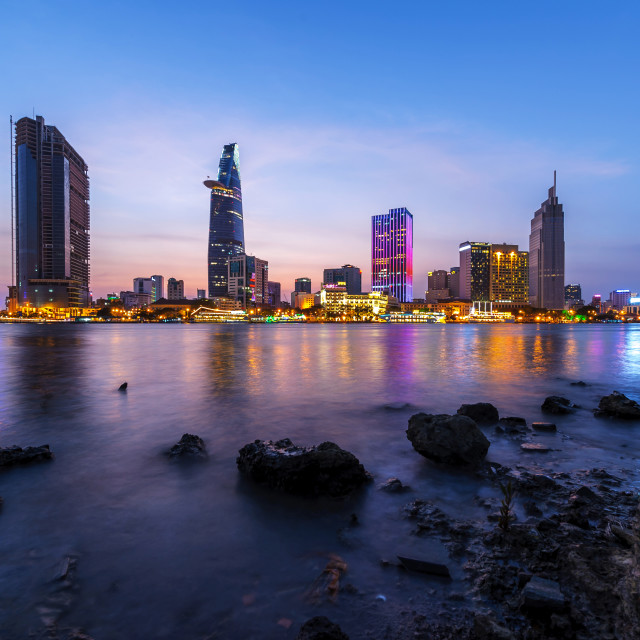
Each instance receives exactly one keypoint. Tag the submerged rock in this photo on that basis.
(321, 628)
(392, 485)
(579, 383)
(618, 406)
(480, 412)
(325, 469)
(123, 386)
(189, 446)
(453, 440)
(534, 446)
(10, 456)
(543, 426)
(557, 405)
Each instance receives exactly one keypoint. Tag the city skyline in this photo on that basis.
(474, 161)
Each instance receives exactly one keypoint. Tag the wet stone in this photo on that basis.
(321, 628)
(543, 426)
(535, 447)
(557, 405)
(480, 412)
(10, 456)
(540, 594)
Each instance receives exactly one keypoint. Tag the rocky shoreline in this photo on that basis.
(570, 568)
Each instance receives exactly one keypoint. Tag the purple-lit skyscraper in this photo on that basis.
(392, 253)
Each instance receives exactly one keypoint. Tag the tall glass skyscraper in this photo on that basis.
(52, 218)
(546, 254)
(392, 253)
(226, 226)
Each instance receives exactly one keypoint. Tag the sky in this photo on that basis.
(459, 111)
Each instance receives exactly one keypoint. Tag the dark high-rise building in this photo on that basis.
(226, 226)
(475, 271)
(392, 253)
(572, 294)
(437, 280)
(347, 274)
(546, 254)
(248, 280)
(52, 218)
(275, 294)
(303, 285)
(453, 282)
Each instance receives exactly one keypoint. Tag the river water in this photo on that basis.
(167, 550)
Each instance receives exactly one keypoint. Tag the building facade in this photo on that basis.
(453, 282)
(437, 280)
(52, 218)
(175, 289)
(509, 274)
(226, 223)
(274, 294)
(546, 254)
(475, 270)
(302, 300)
(336, 299)
(248, 279)
(619, 298)
(392, 254)
(157, 290)
(347, 274)
(303, 285)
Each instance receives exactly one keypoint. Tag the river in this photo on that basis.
(166, 550)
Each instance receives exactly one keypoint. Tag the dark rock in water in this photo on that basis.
(534, 446)
(424, 566)
(532, 509)
(557, 405)
(189, 446)
(325, 469)
(453, 440)
(321, 628)
(10, 456)
(543, 426)
(579, 383)
(618, 406)
(540, 594)
(123, 386)
(480, 412)
(396, 406)
(513, 421)
(392, 485)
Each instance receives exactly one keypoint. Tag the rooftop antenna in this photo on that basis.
(13, 245)
(554, 182)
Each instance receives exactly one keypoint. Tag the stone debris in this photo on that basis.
(10, 456)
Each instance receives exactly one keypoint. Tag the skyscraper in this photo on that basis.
(158, 288)
(175, 289)
(303, 285)
(274, 293)
(392, 253)
(226, 226)
(52, 218)
(348, 274)
(475, 269)
(546, 254)
(248, 279)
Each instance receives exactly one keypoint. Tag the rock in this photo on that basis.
(424, 566)
(532, 509)
(579, 383)
(557, 405)
(618, 406)
(325, 469)
(513, 421)
(123, 386)
(321, 628)
(543, 426)
(453, 440)
(540, 594)
(480, 412)
(534, 446)
(189, 446)
(10, 456)
(485, 628)
(625, 535)
(396, 406)
(392, 485)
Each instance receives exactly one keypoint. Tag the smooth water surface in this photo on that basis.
(169, 550)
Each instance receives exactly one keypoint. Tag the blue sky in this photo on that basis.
(459, 111)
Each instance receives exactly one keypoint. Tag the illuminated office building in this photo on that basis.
(392, 254)
(52, 218)
(475, 270)
(347, 274)
(226, 226)
(248, 279)
(546, 254)
(509, 274)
